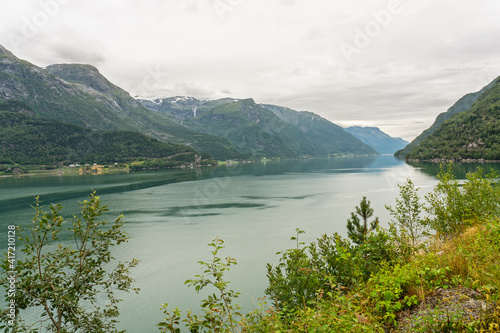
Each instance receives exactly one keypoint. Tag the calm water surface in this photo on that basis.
(171, 216)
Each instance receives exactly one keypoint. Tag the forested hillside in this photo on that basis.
(26, 138)
(472, 134)
(463, 104)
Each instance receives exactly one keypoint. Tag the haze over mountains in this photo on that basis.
(378, 140)
(227, 128)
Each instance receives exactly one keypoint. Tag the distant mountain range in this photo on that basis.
(78, 95)
(73, 106)
(322, 136)
(378, 140)
(261, 129)
(473, 133)
(463, 104)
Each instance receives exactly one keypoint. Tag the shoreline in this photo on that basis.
(75, 172)
(452, 160)
(62, 172)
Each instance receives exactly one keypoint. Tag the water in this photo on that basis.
(171, 215)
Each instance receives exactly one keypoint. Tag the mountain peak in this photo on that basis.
(80, 95)
(4, 53)
(83, 74)
(245, 102)
(74, 67)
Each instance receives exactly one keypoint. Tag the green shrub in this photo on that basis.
(453, 207)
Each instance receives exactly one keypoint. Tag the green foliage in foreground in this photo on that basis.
(357, 229)
(72, 285)
(339, 285)
(407, 211)
(219, 312)
(453, 207)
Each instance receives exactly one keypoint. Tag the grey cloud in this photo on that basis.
(70, 53)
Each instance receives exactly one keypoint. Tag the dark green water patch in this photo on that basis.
(180, 211)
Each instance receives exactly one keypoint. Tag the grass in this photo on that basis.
(468, 262)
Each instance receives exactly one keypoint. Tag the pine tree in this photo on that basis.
(357, 228)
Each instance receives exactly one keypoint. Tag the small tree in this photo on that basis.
(220, 314)
(357, 228)
(295, 280)
(407, 212)
(70, 283)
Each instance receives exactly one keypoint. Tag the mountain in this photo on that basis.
(80, 95)
(461, 105)
(26, 138)
(323, 135)
(226, 128)
(378, 140)
(261, 130)
(183, 107)
(251, 128)
(471, 134)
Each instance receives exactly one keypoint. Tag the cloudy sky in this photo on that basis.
(395, 64)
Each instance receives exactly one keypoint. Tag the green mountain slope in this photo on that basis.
(378, 140)
(325, 136)
(80, 95)
(261, 130)
(472, 134)
(461, 105)
(26, 138)
(249, 127)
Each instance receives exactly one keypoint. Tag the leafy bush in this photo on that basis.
(293, 283)
(406, 213)
(453, 207)
(69, 283)
(331, 264)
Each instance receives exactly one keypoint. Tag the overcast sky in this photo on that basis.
(387, 63)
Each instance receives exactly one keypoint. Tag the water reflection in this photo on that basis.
(58, 188)
(460, 170)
